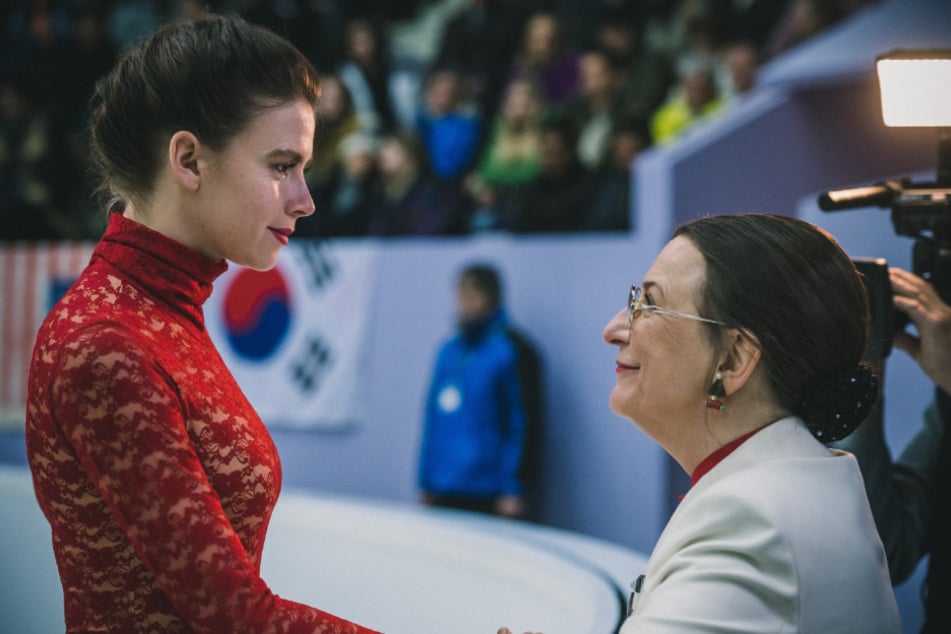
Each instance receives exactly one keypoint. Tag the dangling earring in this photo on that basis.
(715, 393)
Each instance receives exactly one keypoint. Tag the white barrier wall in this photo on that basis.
(392, 567)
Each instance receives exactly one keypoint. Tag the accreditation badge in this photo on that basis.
(449, 398)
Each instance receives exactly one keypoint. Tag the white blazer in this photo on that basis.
(778, 537)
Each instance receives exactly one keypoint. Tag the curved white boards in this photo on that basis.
(393, 567)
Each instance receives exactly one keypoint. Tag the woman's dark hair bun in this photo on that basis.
(835, 405)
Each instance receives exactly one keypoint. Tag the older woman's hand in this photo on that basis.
(505, 630)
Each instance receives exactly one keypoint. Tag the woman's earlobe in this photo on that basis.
(715, 394)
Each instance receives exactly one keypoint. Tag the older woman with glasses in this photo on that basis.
(740, 355)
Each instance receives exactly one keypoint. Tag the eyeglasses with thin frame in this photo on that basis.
(635, 308)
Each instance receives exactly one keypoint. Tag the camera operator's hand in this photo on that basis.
(931, 349)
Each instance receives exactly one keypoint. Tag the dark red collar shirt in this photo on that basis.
(156, 475)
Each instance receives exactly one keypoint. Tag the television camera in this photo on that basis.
(916, 92)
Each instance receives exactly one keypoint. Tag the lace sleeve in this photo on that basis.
(123, 416)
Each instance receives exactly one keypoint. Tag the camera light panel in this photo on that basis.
(915, 88)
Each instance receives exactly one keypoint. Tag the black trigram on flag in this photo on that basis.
(319, 268)
(311, 364)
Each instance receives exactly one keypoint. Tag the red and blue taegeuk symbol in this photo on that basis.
(257, 312)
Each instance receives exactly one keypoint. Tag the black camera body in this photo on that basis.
(921, 212)
(885, 320)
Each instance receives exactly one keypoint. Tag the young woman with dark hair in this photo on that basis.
(156, 475)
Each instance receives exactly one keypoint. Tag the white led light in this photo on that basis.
(915, 88)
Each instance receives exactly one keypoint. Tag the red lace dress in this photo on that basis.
(157, 476)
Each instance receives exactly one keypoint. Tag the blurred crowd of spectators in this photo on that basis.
(437, 117)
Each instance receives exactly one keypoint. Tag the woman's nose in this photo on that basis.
(302, 204)
(618, 330)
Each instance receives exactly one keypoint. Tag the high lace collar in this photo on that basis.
(175, 273)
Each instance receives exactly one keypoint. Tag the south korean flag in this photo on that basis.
(294, 336)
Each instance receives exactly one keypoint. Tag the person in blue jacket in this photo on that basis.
(475, 418)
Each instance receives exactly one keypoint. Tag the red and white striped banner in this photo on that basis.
(33, 276)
